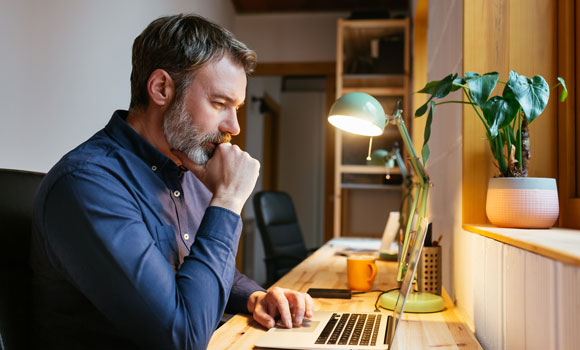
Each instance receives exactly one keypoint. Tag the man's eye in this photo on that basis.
(219, 105)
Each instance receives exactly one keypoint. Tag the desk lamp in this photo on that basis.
(361, 114)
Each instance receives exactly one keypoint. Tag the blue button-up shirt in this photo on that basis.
(126, 251)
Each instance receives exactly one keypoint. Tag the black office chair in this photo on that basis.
(283, 242)
(17, 191)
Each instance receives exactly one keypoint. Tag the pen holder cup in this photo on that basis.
(429, 277)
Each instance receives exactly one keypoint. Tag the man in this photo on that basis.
(132, 250)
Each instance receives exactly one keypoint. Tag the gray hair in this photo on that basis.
(180, 45)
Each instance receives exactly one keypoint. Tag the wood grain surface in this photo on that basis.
(326, 269)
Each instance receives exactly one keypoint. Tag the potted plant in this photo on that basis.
(506, 119)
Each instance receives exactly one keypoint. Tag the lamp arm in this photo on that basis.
(401, 163)
(417, 164)
(419, 205)
(406, 237)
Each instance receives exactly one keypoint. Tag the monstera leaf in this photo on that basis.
(425, 151)
(564, 92)
(499, 112)
(481, 86)
(521, 96)
(437, 89)
(532, 94)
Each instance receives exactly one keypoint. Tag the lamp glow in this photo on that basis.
(355, 125)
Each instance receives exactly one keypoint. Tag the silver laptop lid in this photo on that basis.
(410, 265)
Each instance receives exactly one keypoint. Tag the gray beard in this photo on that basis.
(184, 136)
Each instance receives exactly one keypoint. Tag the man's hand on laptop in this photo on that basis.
(290, 305)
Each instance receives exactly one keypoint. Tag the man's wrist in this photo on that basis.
(227, 203)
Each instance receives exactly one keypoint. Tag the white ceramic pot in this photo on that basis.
(522, 202)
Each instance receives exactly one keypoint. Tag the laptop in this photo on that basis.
(350, 330)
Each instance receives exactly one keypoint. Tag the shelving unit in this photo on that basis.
(372, 57)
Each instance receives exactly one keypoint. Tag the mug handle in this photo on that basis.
(373, 267)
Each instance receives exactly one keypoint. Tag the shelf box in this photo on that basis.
(374, 49)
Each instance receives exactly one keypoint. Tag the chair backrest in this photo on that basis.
(280, 231)
(17, 191)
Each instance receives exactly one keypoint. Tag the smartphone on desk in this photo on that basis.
(329, 293)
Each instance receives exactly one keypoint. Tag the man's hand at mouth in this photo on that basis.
(230, 174)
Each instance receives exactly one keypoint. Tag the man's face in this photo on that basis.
(206, 116)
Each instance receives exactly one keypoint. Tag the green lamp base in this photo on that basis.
(417, 302)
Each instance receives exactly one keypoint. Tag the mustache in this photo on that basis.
(217, 138)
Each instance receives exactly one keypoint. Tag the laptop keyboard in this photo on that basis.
(351, 329)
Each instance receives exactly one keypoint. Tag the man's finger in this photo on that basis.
(272, 310)
(309, 306)
(262, 316)
(298, 305)
(279, 299)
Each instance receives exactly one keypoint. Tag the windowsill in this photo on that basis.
(555, 243)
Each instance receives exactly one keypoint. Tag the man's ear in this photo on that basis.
(160, 87)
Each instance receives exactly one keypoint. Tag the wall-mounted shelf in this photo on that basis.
(556, 243)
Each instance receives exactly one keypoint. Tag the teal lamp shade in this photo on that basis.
(358, 113)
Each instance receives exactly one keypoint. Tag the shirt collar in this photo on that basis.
(128, 138)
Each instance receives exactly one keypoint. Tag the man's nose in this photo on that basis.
(230, 124)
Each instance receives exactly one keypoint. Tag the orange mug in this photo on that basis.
(361, 272)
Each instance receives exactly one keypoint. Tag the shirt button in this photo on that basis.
(176, 193)
(154, 167)
(186, 236)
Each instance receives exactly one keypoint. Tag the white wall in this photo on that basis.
(297, 37)
(65, 66)
(445, 56)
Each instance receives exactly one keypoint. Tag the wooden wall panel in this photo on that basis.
(533, 50)
(419, 76)
(501, 35)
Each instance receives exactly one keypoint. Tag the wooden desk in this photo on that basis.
(324, 269)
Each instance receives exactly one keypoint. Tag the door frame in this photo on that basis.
(328, 70)
(270, 136)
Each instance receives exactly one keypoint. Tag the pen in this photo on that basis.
(436, 243)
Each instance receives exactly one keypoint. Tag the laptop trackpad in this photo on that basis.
(307, 326)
